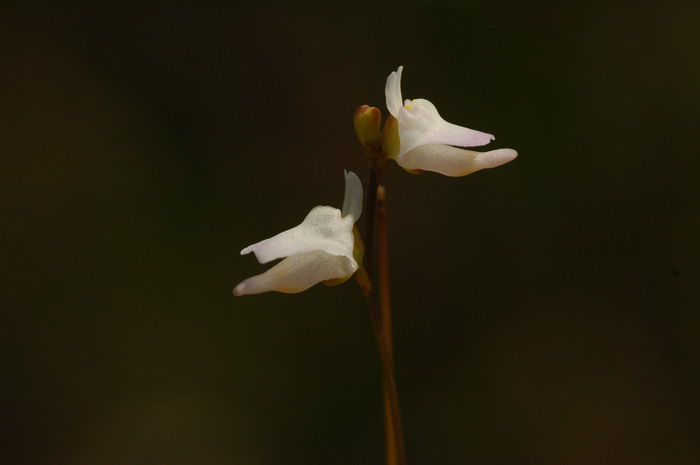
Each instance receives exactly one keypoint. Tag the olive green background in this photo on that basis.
(546, 312)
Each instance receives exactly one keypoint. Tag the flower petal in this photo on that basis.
(420, 124)
(352, 203)
(452, 161)
(323, 229)
(298, 273)
(392, 90)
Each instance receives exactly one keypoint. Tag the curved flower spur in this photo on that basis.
(320, 249)
(426, 141)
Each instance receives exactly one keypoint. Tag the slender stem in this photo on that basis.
(396, 454)
(394, 429)
(381, 320)
(383, 253)
(389, 432)
(375, 176)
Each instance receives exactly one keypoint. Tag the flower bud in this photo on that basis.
(367, 122)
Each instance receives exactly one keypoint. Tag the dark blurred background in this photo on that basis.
(546, 312)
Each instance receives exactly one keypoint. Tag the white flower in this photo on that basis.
(426, 139)
(319, 249)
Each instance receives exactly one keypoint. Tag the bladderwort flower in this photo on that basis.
(320, 249)
(426, 141)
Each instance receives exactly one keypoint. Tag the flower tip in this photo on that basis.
(239, 290)
(495, 158)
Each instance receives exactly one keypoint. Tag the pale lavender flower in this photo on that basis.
(319, 249)
(427, 141)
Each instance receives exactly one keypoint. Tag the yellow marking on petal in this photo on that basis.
(409, 107)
